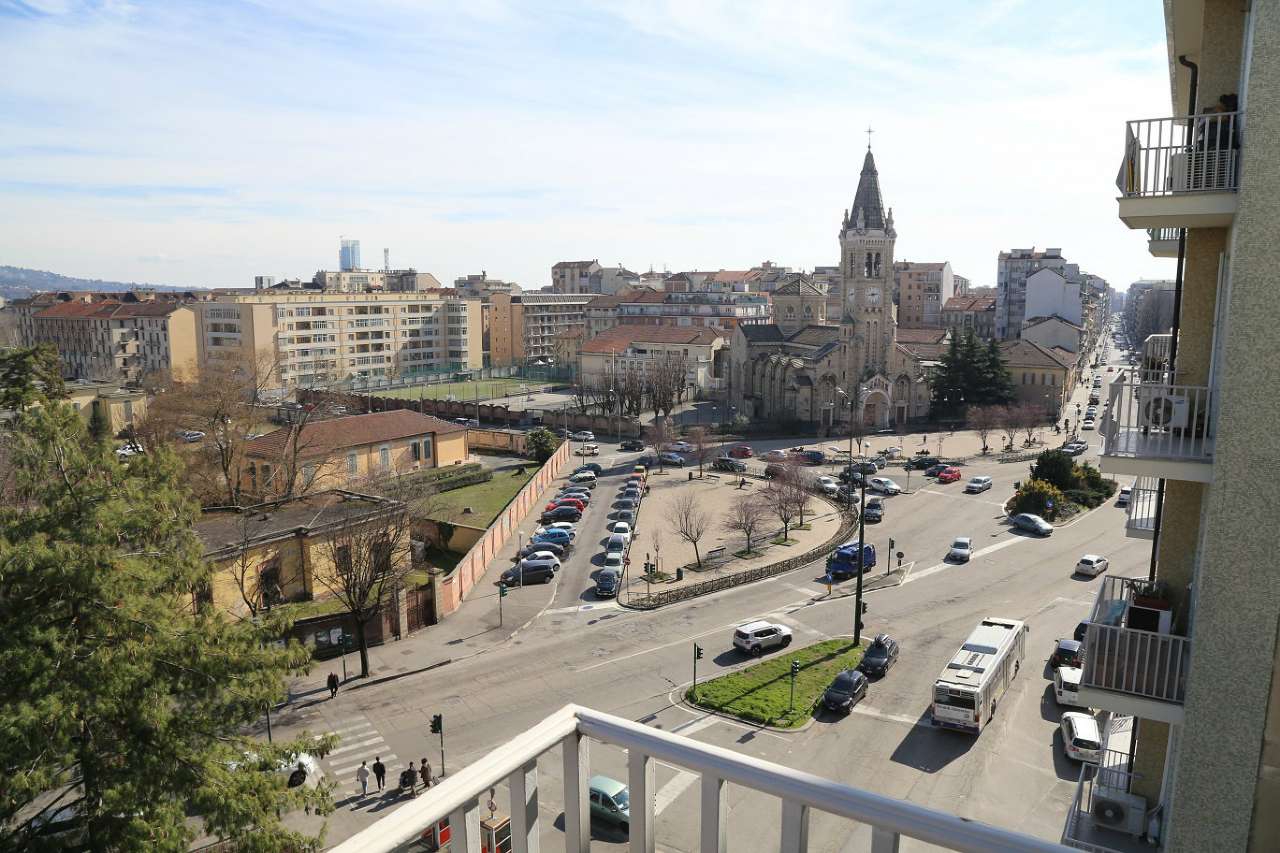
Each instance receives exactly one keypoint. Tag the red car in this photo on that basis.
(949, 475)
(741, 452)
(576, 504)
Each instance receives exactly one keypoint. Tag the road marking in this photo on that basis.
(377, 738)
(352, 728)
(667, 793)
(583, 608)
(693, 726)
(868, 711)
(981, 552)
(342, 771)
(614, 660)
(960, 497)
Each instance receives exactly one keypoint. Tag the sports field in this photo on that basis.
(480, 389)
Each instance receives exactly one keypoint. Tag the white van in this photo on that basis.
(1066, 686)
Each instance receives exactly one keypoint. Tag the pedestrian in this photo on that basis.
(362, 776)
(425, 771)
(333, 684)
(379, 771)
(410, 778)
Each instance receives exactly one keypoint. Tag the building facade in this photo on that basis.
(1049, 294)
(1042, 376)
(717, 310)
(1054, 332)
(349, 255)
(640, 348)
(523, 327)
(977, 314)
(921, 289)
(363, 281)
(799, 303)
(573, 276)
(109, 340)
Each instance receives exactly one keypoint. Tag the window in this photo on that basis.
(417, 451)
(384, 457)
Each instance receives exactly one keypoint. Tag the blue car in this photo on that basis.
(559, 537)
(843, 562)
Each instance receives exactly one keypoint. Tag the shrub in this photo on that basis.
(1034, 497)
(541, 444)
(1056, 467)
(1088, 477)
(1085, 497)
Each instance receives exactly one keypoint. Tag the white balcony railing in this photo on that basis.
(571, 729)
(1169, 156)
(1152, 419)
(1128, 647)
(1105, 817)
(1141, 511)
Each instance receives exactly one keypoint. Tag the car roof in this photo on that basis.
(964, 539)
(1070, 645)
(606, 785)
(757, 625)
(1093, 558)
(1085, 725)
(1070, 674)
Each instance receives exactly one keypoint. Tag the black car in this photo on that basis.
(515, 576)
(533, 547)
(847, 688)
(934, 470)
(728, 463)
(851, 475)
(880, 655)
(1082, 628)
(631, 444)
(561, 513)
(1067, 653)
(921, 463)
(606, 585)
(590, 466)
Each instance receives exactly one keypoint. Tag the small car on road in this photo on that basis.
(1031, 523)
(1126, 492)
(756, 638)
(606, 585)
(741, 451)
(950, 474)
(671, 459)
(1081, 737)
(961, 550)
(1067, 653)
(935, 470)
(1092, 565)
(680, 447)
(845, 689)
(610, 802)
(977, 484)
(921, 463)
(775, 456)
(584, 435)
(880, 655)
(885, 485)
(631, 444)
(728, 463)
(826, 485)
(588, 450)
(873, 511)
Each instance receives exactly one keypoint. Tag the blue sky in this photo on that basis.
(202, 143)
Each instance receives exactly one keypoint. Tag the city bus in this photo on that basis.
(967, 692)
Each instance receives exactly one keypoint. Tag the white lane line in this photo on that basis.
(960, 497)
(346, 730)
(981, 552)
(868, 711)
(693, 726)
(667, 793)
(613, 660)
(377, 738)
(339, 771)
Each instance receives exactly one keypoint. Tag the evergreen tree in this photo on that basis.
(126, 692)
(541, 444)
(996, 386)
(948, 383)
(99, 427)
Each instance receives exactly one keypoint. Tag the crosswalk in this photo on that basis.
(358, 741)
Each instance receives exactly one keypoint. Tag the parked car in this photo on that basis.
(756, 638)
(594, 467)
(864, 466)
(132, 448)
(826, 485)
(775, 456)
(582, 493)
(845, 689)
(1067, 653)
(584, 435)
(950, 474)
(1031, 523)
(191, 436)
(540, 558)
(961, 550)
(586, 478)
(672, 459)
(610, 801)
(631, 444)
(606, 585)
(1126, 492)
(626, 503)
(921, 463)
(680, 447)
(522, 575)
(612, 563)
(1092, 565)
(534, 546)
(741, 451)
(588, 450)
(1089, 423)
(559, 502)
(880, 655)
(561, 537)
(1081, 737)
(1075, 448)
(627, 515)
(851, 475)
(621, 528)
(848, 494)
(809, 457)
(617, 543)
(556, 525)
(728, 463)
(873, 511)
(842, 563)
(884, 484)
(630, 493)
(935, 470)
(561, 513)
(1066, 686)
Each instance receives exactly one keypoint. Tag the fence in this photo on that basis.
(654, 600)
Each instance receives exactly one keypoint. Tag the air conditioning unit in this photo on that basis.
(1118, 810)
(1160, 407)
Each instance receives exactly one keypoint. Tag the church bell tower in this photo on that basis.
(866, 277)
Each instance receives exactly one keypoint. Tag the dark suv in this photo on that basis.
(631, 444)
(561, 513)
(1067, 653)
(517, 576)
(726, 463)
(921, 463)
(880, 655)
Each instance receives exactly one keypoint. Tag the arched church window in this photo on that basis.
(867, 266)
(877, 273)
(808, 310)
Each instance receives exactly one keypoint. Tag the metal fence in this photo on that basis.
(1152, 419)
(1182, 154)
(1126, 659)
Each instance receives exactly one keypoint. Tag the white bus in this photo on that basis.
(966, 693)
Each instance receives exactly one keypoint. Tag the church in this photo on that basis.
(826, 354)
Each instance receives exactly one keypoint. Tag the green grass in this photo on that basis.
(761, 693)
(486, 389)
(487, 499)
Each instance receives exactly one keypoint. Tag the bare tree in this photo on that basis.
(1030, 418)
(982, 420)
(666, 382)
(689, 521)
(778, 497)
(1007, 421)
(796, 485)
(658, 435)
(259, 579)
(369, 556)
(746, 517)
(697, 436)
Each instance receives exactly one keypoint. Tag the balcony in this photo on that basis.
(513, 770)
(1141, 511)
(1163, 242)
(1132, 664)
(1157, 429)
(1180, 172)
(1104, 816)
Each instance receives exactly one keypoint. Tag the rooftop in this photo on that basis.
(107, 310)
(322, 437)
(1028, 354)
(970, 303)
(225, 531)
(619, 338)
(921, 336)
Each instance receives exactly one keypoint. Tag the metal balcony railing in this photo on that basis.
(1141, 511)
(1182, 154)
(1160, 235)
(1150, 418)
(1096, 820)
(571, 729)
(1125, 649)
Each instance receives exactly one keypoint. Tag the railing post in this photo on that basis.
(795, 827)
(464, 828)
(642, 781)
(884, 840)
(577, 813)
(523, 785)
(713, 825)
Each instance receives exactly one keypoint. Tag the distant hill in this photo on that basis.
(19, 282)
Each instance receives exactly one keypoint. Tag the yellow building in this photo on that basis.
(318, 337)
(109, 340)
(124, 408)
(346, 451)
(283, 552)
(1042, 376)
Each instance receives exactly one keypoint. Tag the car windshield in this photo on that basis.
(843, 684)
(960, 543)
(877, 651)
(1087, 743)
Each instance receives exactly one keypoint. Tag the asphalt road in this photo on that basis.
(634, 665)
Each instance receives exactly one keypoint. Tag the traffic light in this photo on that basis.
(864, 607)
(795, 667)
(697, 652)
(437, 724)
(502, 590)
(890, 543)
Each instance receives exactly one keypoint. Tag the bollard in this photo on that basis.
(691, 476)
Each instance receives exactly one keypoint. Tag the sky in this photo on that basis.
(203, 143)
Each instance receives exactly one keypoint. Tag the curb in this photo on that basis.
(396, 675)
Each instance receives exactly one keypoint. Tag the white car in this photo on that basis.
(567, 526)
(775, 456)
(541, 559)
(826, 485)
(680, 447)
(755, 638)
(190, 436)
(884, 484)
(1081, 737)
(588, 450)
(621, 528)
(961, 550)
(892, 452)
(1092, 565)
(613, 563)
(617, 543)
(1089, 423)
(1122, 499)
(124, 451)
(584, 435)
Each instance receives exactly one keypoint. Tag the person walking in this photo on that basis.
(333, 684)
(362, 776)
(410, 778)
(379, 771)
(425, 772)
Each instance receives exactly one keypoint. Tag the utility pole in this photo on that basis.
(437, 727)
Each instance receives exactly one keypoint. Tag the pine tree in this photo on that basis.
(999, 383)
(126, 693)
(948, 382)
(99, 427)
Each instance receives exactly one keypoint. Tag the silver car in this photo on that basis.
(961, 550)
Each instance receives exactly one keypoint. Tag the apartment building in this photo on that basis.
(110, 340)
(975, 313)
(1042, 376)
(1188, 649)
(1049, 294)
(922, 289)
(1012, 269)
(704, 352)
(724, 310)
(480, 286)
(523, 327)
(319, 337)
(573, 276)
(361, 281)
(962, 284)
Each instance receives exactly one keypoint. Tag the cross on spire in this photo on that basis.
(869, 132)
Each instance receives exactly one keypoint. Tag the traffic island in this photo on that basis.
(762, 693)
